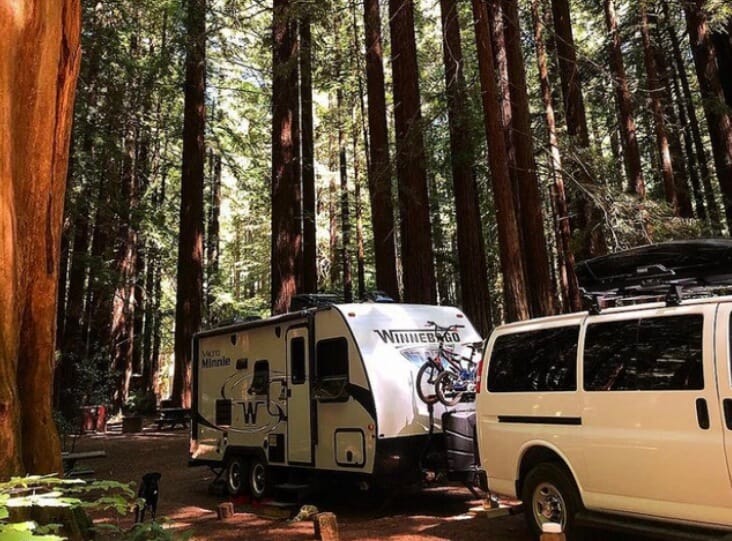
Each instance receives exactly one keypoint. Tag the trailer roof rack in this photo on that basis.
(669, 271)
(303, 301)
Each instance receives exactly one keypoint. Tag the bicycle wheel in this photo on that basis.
(426, 378)
(445, 388)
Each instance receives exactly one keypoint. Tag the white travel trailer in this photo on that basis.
(326, 389)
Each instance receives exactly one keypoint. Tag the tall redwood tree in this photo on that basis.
(286, 193)
(418, 269)
(39, 65)
(189, 293)
(380, 170)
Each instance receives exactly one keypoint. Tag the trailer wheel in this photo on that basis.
(258, 478)
(236, 473)
(426, 379)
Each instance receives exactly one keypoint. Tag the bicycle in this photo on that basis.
(445, 378)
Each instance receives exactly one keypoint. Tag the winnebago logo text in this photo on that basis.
(414, 336)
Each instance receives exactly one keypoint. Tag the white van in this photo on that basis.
(620, 412)
(327, 389)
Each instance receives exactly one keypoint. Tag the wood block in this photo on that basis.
(225, 510)
(326, 527)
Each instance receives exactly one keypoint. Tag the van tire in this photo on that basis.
(236, 475)
(258, 478)
(549, 494)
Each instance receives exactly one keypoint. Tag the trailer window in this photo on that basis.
(651, 354)
(332, 355)
(534, 361)
(297, 360)
(331, 369)
(260, 381)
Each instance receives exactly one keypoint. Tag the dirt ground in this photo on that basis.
(431, 514)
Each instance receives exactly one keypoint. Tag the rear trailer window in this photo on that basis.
(542, 360)
(650, 354)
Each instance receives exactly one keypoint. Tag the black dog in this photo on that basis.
(149, 493)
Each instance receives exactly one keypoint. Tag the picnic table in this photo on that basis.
(173, 417)
(70, 459)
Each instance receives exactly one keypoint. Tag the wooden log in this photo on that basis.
(552, 532)
(225, 510)
(326, 527)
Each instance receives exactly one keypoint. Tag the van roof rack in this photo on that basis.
(668, 270)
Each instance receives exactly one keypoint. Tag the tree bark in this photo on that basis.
(531, 219)
(628, 130)
(567, 276)
(419, 271)
(722, 40)
(39, 62)
(309, 241)
(358, 209)
(380, 170)
(655, 92)
(471, 249)
(719, 122)
(693, 125)
(286, 194)
(587, 217)
(189, 294)
(345, 210)
(512, 267)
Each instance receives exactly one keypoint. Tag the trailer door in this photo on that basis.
(299, 421)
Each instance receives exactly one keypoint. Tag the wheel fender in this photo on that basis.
(533, 445)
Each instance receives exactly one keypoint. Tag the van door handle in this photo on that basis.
(702, 413)
(727, 405)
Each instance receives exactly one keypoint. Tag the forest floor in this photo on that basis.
(187, 505)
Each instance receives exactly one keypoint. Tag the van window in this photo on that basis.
(542, 360)
(260, 381)
(332, 358)
(651, 354)
(297, 360)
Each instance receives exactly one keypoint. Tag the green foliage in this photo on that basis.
(96, 496)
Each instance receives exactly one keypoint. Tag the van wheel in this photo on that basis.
(550, 495)
(258, 479)
(236, 474)
(426, 379)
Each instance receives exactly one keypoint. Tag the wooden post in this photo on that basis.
(225, 510)
(326, 527)
(551, 531)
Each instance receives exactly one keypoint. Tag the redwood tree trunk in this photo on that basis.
(514, 281)
(693, 125)
(39, 62)
(720, 124)
(655, 93)
(531, 219)
(345, 211)
(587, 217)
(628, 130)
(190, 239)
(380, 172)
(286, 194)
(722, 40)
(471, 250)
(567, 276)
(309, 241)
(418, 271)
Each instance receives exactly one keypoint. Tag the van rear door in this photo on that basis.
(724, 375)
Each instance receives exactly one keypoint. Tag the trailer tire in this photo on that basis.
(258, 478)
(236, 474)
